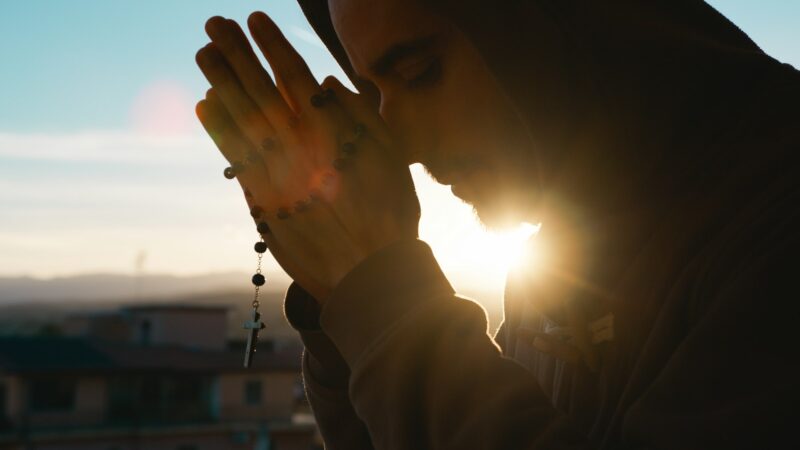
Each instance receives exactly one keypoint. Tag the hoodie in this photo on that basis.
(676, 331)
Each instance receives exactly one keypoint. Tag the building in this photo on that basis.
(153, 377)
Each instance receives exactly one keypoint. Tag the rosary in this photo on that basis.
(255, 324)
(347, 150)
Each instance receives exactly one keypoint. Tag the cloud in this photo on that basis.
(109, 146)
(307, 36)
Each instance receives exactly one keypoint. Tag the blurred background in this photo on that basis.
(125, 256)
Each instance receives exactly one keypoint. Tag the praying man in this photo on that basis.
(654, 141)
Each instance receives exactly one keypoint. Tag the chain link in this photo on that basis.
(258, 288)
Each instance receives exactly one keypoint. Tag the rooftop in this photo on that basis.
(30, 355)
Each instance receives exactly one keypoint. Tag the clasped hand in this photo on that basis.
(316, 163)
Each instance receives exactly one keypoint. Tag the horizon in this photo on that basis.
(105, 170)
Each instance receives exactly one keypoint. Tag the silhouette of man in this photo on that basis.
(657, 145)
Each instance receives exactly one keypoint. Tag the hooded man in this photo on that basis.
(656, 144)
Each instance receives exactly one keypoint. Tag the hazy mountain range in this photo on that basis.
(81, 288)
(27, 304)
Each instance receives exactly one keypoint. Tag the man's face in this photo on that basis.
(442, 102)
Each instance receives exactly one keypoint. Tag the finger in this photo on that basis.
(229, 38)
(358, 108)
(295, 80)
(230, 141)
(292, 267)
(239, 105)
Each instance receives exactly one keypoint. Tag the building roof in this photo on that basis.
(63, 354)
(179, 307)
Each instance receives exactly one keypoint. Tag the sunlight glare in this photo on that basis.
(470, 255)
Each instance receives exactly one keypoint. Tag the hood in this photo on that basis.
(637, 89)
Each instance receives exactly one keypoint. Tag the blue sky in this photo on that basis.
(101, 158)
(78, 64)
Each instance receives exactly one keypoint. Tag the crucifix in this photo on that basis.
(254, 326)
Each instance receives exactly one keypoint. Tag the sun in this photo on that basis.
(472, 257)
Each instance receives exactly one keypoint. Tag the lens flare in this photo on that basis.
(163, 107)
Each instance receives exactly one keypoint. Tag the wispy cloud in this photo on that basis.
(307, 36)
(91, 201)
(109, 146)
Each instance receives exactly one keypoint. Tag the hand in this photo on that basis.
(325, 179)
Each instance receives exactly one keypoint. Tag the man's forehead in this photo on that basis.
(368, 28)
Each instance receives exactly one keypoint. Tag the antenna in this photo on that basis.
(138, 266)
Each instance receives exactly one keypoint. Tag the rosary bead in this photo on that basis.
(360, 130)
(301, 206)
(256, 211)
(329, 94)
(260, 247)
(317, 100)
(268, 144)
(283, 213)
(262, 227)
(339, 164)
(349, 149)
(229, 173)
(259, 279)
(253, 157)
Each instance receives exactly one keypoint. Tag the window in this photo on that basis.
(157, 398)
(145, 329)
(5, 424)
(51, 394)
(252, 392)
(3, 400)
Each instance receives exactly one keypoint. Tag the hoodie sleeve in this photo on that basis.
(425, 373)
(325, 377)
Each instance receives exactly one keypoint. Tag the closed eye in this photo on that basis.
(424, 73)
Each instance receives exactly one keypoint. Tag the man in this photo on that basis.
(654, 141)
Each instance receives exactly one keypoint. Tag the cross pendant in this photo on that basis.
(254, 326)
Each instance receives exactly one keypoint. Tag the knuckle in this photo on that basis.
(330, 82)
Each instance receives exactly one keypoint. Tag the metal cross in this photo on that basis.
(254, 326)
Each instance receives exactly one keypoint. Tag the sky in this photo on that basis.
(103, 164)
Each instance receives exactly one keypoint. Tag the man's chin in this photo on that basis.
(498, 218)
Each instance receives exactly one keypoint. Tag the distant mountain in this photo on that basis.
(90, 287)
(32, 306)
(28, 303)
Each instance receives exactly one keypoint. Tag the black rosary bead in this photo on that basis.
(259, 279)
(329, 94)
(229, 173)
(283, 213)
(339, 164)
(254, 157)
(262, 227)
(268, 144)
(256, 211)
(317, 101)
(301, 206)
(260, 247)
(360, 130)
(349, 149)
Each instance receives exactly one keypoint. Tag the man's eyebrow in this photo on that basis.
(397, 52)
